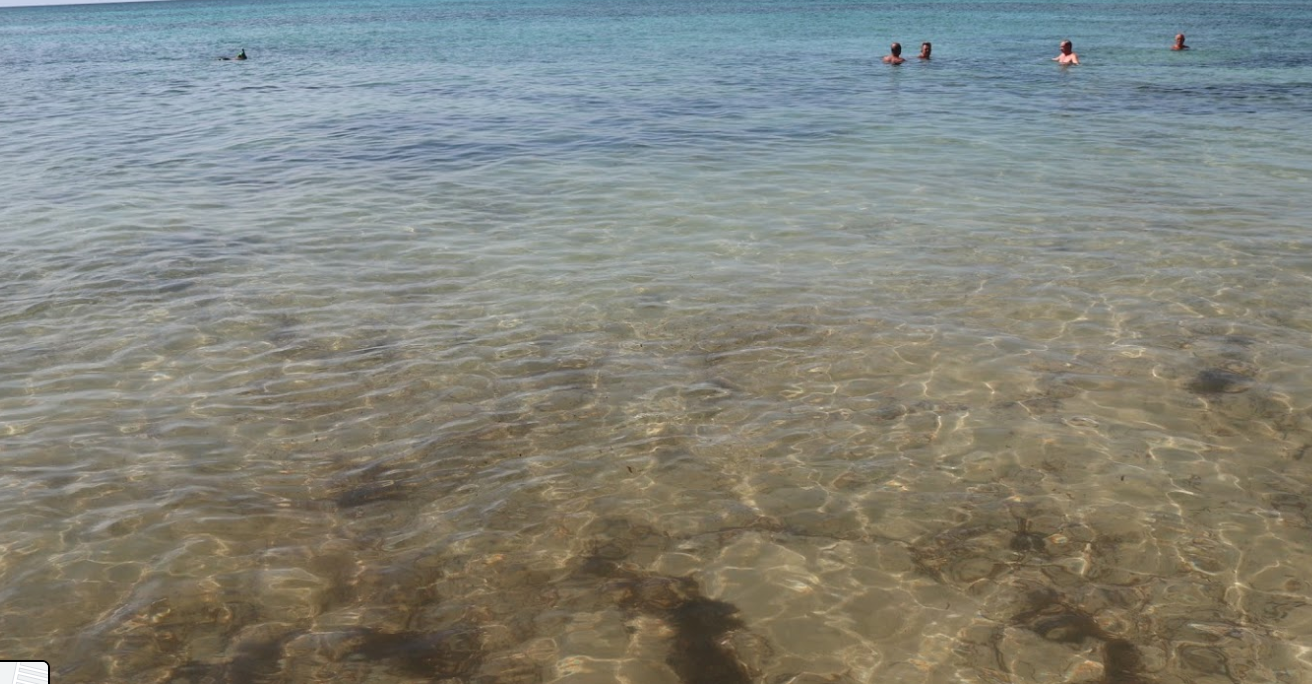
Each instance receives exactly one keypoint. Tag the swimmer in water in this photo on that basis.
(925, 49)
(1179, 42)
(895, 56)
(240, 56)
(1066, 56)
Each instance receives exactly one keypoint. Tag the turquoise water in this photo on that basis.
(656, 342)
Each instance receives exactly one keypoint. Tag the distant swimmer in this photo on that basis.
(240, 56)
(895, 56)
(1066, 56)
(925, 49)
(1179, 42)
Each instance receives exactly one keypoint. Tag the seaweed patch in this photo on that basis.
(1026, 541)
(1053, 619)
(439, 655)
(698, 654)
(371, 492)
(446, 654)
(699, 650)
(253, 661)
(1122, 663)
(1217, 381)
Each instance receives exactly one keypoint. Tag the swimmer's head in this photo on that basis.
(1065, 47)
(925, 49)
(896, 49)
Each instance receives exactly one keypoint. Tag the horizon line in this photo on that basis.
(16, 4)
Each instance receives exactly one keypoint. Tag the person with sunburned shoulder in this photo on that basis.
(1066, 56)
(895, 54)
(925, 49)
(1179, 42)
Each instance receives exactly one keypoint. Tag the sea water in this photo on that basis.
(656, 341)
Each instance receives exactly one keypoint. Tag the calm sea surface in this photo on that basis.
(656, 342)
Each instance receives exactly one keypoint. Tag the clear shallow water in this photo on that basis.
(659, 342)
